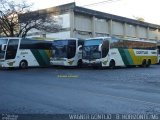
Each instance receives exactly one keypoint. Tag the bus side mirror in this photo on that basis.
(100, 48)
(79, 48)
(3, 47)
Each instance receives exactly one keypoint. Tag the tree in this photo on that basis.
(16, 19)
(139, 18)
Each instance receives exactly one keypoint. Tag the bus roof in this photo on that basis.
(25, 38)
(129, 39)
(69, 39)
(98, 38)
(138, 40)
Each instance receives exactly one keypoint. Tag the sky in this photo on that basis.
(147, 9)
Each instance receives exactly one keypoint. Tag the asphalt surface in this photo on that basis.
(63, 90)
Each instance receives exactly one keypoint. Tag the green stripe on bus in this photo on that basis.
(129, 57)
(38, 57)
(45, 56)
(126, 57)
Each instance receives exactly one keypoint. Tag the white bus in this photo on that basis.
(112, 52)
(67, 52)
(24, 52)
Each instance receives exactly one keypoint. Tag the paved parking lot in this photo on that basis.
(62, 90)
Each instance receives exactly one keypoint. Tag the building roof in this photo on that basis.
(102, 15)
(89, 12)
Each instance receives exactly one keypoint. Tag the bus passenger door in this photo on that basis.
(105, 48)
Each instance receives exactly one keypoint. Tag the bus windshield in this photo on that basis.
(60, 47)
(12, 48)
(64, 48)
(90, 49)
(92, 42)
(2, 53)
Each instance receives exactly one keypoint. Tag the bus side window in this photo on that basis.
(114, 43)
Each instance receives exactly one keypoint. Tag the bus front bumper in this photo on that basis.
(57, 63)
(6, 64)
(92, 63)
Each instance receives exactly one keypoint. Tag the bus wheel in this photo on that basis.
(112, 64)
(23, 64)
(144, 64)
(148, 63)
(79, 64)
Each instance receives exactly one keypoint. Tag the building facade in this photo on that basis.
(81, 22)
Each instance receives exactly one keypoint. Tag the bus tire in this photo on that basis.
(23, 64)
(112, 64)
(144, 63)
(148, 63)
(79, 63)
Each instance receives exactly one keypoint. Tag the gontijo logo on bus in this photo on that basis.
(141, 52)
(145, 52)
